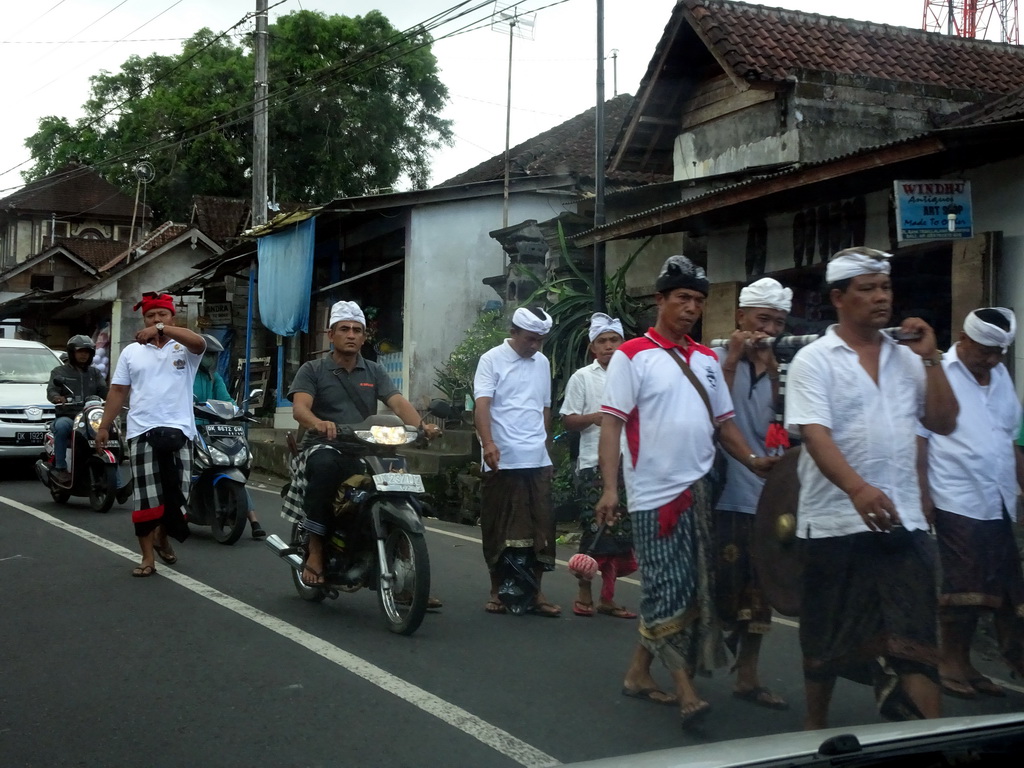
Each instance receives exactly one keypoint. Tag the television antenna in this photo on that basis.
(507, 18)
(144, 174)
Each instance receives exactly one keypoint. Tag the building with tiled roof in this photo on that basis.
(567, 148)
(222, 218)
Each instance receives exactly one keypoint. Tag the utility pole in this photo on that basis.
(599, 299)
(259, 119)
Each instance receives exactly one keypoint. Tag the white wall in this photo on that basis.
(448, 254)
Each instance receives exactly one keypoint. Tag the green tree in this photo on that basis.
(354, 104)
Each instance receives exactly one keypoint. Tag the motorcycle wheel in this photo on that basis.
(59, 494)
(102, 486)
(230, 511)
(311, 594)
(404, 603)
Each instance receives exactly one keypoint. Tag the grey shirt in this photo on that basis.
(331, 401)
(755, 411)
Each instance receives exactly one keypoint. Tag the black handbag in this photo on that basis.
(170, 439)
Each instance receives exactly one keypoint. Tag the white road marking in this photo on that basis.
(494, 737)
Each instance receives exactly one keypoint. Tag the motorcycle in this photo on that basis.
(377, 539)
(221, 463)
(90, 473)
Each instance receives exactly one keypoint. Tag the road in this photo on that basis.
(216, 661)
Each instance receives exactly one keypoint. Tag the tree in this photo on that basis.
(354, 104)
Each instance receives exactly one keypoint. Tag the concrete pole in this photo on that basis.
(599, 266)
(259, 122)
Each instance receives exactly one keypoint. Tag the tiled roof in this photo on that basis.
(222, 219)
(996, 109)
(75, 190)
(156, 239)
(566, 148)
(762, 43)
(94, 252)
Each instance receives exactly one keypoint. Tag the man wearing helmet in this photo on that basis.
(84, 381)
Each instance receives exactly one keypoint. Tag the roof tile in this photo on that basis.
(72, 191)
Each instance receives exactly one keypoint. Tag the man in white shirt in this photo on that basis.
(752, 375)
(512, 393)
(857, 397)
(971, 481)
(159, 372)
(666, 397)
(581, 412)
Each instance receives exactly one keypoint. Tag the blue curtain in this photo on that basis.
(286, 278)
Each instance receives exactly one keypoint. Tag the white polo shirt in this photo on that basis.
(583, 394)
(520, 390)
(873, 425)
(973, 471)
(668, 440)
(161, 381)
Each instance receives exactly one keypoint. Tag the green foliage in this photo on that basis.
(455, 377)
(353, 105)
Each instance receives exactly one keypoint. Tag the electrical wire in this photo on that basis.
(91, 24)
(37, 18)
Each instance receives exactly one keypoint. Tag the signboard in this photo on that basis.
(219, 313)
(938, 209)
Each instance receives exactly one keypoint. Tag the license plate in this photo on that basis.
(225, 430)
(396, 482)
(29, 438)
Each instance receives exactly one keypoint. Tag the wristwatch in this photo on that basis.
(930, 361)
(159, 329)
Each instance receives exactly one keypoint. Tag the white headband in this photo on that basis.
(346, 310)
(602, 323)
(767, 293)
(989, 335)
(526, 319)
(851, 263)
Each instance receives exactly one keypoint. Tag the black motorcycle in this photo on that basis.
(90, 473)
(221, 463)
(377, 540)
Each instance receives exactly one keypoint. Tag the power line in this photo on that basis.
(95, 42)
(83, 29)
(37, 18)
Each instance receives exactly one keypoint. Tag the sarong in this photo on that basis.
(515, 511)
(154, 506)
(738, 597)
(678, 624)
(617, 540)
(869, 613)
(981, 570)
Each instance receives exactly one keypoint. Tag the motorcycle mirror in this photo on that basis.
(58, 381)
(442, 409)
(255, 393)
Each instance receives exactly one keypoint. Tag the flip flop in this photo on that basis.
(319, 575)
(618, 612)
(493, 606)
(699, 711)
(647, 694)
(547, 610)
(582, 609)
(142, 571)
(166, 554)
(761, 697)
(958, 689)
(986, 686)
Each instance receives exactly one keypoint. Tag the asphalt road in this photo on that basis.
(216, 661)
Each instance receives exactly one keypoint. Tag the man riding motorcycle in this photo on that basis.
(85, 381)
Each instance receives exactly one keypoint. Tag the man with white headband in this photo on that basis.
(512, 390)
(971, 478)
(581, 412)
(666, 395)
(340, 388)
(752, 375)
(856, 397)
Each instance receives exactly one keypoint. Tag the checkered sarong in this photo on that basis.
(148, 492)
(294, 495)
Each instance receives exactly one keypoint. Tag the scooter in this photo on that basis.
(377, 539)
(91, 474)
(221, 463)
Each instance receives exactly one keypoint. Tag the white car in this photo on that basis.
(24, 410)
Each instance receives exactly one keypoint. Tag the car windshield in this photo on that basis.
(26, 365)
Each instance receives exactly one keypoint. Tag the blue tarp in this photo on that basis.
(286, 278)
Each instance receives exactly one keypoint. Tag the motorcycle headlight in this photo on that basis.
(95, 416)
(219, 458)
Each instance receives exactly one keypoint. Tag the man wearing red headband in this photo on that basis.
(159, 372)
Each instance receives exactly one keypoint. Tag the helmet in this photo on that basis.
(80, 341)
(212, 345)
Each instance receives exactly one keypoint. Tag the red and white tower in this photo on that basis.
(974, 18)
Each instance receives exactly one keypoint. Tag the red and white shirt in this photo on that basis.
(668, 441)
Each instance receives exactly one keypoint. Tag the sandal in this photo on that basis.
(987, 686)
(618, 612)
(493, 606)
(166, 554)
(318, 574)
(762, 697)
(547, 610)
(691, 713)
(582, 609)
(142, 571)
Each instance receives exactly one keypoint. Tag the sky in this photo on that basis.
(50, 48)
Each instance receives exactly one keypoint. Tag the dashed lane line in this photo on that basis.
(494, 737)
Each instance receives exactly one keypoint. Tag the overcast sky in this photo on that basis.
(49, 48)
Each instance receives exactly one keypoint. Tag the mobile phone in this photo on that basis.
(900, 335)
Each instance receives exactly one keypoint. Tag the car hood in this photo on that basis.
(774, 749)
(23, 394)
